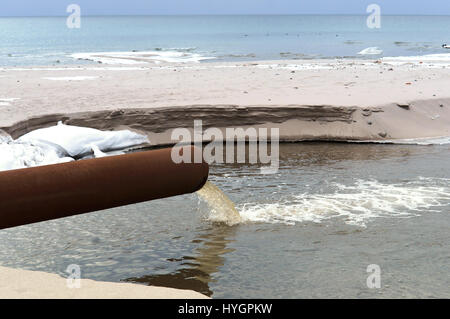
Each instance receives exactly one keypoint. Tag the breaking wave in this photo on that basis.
(441, 140)
(429, 60)
(182, 55)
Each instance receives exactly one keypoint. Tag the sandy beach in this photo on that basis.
(305, 99)
(20, 284)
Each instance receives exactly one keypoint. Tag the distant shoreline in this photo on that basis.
(233, 38)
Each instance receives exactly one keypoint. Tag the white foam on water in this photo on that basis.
(429, 60)
(103, 68)
(356, 204)
(71, 78)
(142, 57)
(441, 140)
(371, 51)
(443, 57)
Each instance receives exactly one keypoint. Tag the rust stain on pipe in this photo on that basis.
(42, 193)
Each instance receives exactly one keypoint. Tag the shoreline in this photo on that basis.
(26, 284)
(320, 100)
(297, 123)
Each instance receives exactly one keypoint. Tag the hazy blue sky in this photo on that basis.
(131, 7)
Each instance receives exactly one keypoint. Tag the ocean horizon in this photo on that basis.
(193, 38)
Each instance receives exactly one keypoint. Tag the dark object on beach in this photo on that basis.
(403, 106)
(366, 112)
(42, 193)
(446, 46)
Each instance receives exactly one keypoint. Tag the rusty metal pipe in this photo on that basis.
(42, 193)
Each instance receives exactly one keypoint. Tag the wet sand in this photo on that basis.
(18, 284)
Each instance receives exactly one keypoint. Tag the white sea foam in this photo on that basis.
(62, 143)
(441, 140)
(356, 204)
(103, 68)
(371, 51)
(429, 60)
(182, 56)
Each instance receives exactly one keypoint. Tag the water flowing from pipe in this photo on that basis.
(222, 207)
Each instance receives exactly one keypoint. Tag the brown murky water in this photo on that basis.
(221, 208)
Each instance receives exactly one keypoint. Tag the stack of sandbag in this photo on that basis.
(62, 143)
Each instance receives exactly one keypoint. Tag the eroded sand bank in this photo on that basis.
(318, 100)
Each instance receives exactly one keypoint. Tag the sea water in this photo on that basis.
(310, 230)
(47, 40)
